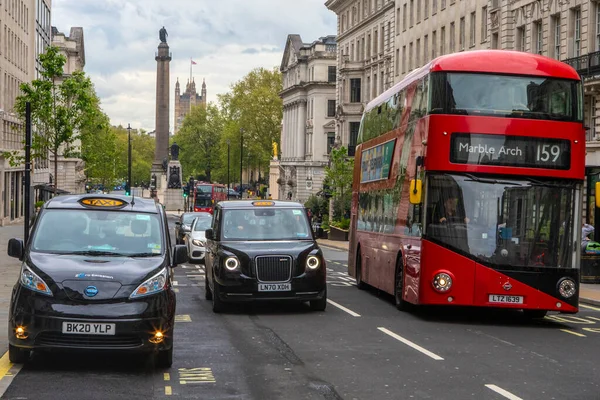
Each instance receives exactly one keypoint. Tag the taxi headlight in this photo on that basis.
(232, 263)
(567, 288)
(31, 281)
(198, 242)
(153, 285)
(312, 262)
(442, 282)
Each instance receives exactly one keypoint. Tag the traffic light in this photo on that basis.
(153, 182)
(186, 191)
(127, 190)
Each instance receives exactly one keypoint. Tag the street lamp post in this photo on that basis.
(241, 159)
(129, 158)
(228, 169)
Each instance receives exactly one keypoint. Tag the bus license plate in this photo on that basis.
(274, 287)
(85, 328)
(501, 298)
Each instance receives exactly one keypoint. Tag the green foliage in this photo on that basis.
(99, 150)
(60, 107)
(317, 205)
(39, 204)
(200, 141)
(344, 224)
(142, 155)
(338, 176)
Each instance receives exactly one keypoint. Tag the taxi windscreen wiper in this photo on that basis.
(96, 253)
(142, 255)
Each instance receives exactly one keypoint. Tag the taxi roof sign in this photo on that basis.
(262, 203)
(102, 202)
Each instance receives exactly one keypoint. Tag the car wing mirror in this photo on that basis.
(209, 234)
(177, 223)
(180, 255)
(16, 248)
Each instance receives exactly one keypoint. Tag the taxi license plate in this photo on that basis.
(501, 298)
(86, 328)
(274, 287)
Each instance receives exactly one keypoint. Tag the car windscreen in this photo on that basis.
(202, 224)
(189, 218)
(265, 224)
(98, 232)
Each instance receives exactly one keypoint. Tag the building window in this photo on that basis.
(433, 7)
(353, 129)
(404, 17)
(382, 47)
(461, 38)
(577, 36)
(331, 108)
(556, 30)
(397, 21)
(597, 26)
(494, 41)
(418, 55)
(418, 11)
(452, 37)
(539, 36)
(397, 62)
(442, 4)
(484, 24)
(375, 42)
(330, 141)
(403, 59)
(433, 44)
(368, 46)
(374, 94)
(410, 53)
(443, 41)
(426, 9)
(472, 29)
(355, 90)
(520, 45)
(411, 19)
(425, 49)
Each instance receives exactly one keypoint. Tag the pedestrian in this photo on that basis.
(586, 231)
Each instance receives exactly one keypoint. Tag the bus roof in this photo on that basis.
(484, 61)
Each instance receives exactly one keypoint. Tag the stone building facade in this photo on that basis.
(186, 100)
(309, 75)
(366, 42)
(71, 176)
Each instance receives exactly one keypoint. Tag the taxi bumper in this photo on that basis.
(246, 289)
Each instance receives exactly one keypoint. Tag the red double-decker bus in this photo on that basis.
(468, 185)
(206, 195)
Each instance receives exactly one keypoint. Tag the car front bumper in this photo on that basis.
(196, 253)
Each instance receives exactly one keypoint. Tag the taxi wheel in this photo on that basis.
(17, 355)
(207, 293)
(164, 358)
(218, 306)
(320, 304)
(534, 314)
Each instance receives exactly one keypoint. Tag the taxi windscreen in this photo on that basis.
(98, 232)
(265, 224)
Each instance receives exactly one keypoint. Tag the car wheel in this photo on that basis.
(164, 358)
(399, 287)
(534, 314)
(17, 355)
(320, 304)
(218, 306)
(207, 293)
(359, 282)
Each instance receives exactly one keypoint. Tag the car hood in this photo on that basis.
(114, 277)
(198, 235)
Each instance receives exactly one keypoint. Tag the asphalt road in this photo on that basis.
(361, 347)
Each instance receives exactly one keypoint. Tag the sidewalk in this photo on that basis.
(335, 244)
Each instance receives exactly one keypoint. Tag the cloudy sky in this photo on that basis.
(226, 38)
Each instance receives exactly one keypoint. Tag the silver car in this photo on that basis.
(196, 241)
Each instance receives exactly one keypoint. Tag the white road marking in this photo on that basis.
(341, 307)
(411, 344)
(175, 283)
(589, 307)
(503, 392)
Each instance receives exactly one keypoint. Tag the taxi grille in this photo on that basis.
(57, 339)
(273, 268)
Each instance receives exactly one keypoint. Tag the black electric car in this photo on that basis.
(96, 275)
(263, 250)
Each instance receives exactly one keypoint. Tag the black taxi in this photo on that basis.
(96, 275)
(263, 250)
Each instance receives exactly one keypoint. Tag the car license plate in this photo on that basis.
(274, 287)
(501, 298)
(86, 328)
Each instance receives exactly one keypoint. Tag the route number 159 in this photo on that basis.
(547, 152)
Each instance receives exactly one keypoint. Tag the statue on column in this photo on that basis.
(175, 151)
(274, 150)
(162, 34)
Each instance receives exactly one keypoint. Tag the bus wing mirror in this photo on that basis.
(416, 191)
(597, 194)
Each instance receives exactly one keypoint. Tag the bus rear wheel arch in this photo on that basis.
(401, 304)
(358, 270)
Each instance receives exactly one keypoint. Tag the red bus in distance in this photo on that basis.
(206, 195)
(467, 185)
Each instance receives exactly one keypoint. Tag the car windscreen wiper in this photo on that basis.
(486, 180)
(142, 255)
(537, 182)
(96, 253)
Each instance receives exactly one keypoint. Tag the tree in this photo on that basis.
(200, 141)
(338, 179)
(60, 107)
(99, 151)
(254, 105)
(142, 155)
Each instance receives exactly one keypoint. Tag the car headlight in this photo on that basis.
(567, 288)
(152, 286)
(442, 282)
(232, 263)
(312, 262)
(31, 281)
(198, 242)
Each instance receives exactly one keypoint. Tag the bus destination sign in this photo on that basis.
(514, 151)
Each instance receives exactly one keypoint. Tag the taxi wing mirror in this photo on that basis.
(209, 234)
(16, 248)
(180, 255)
(597, 194)
(416, 190)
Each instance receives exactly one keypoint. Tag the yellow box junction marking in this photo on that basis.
(167, 376)
(195, 375)
(168, 391)
(573, 333)
(5, 365)
(183, 318)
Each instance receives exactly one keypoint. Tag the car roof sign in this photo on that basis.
(262, 203)
(98, 202)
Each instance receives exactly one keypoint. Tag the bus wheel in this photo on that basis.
(399, 287)
(534, 314)
(359, 282)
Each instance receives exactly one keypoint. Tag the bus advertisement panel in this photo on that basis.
(468, 182)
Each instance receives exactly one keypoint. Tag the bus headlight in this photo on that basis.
(232, 263)
(567, 288)
(442, 282)
(312, 262)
